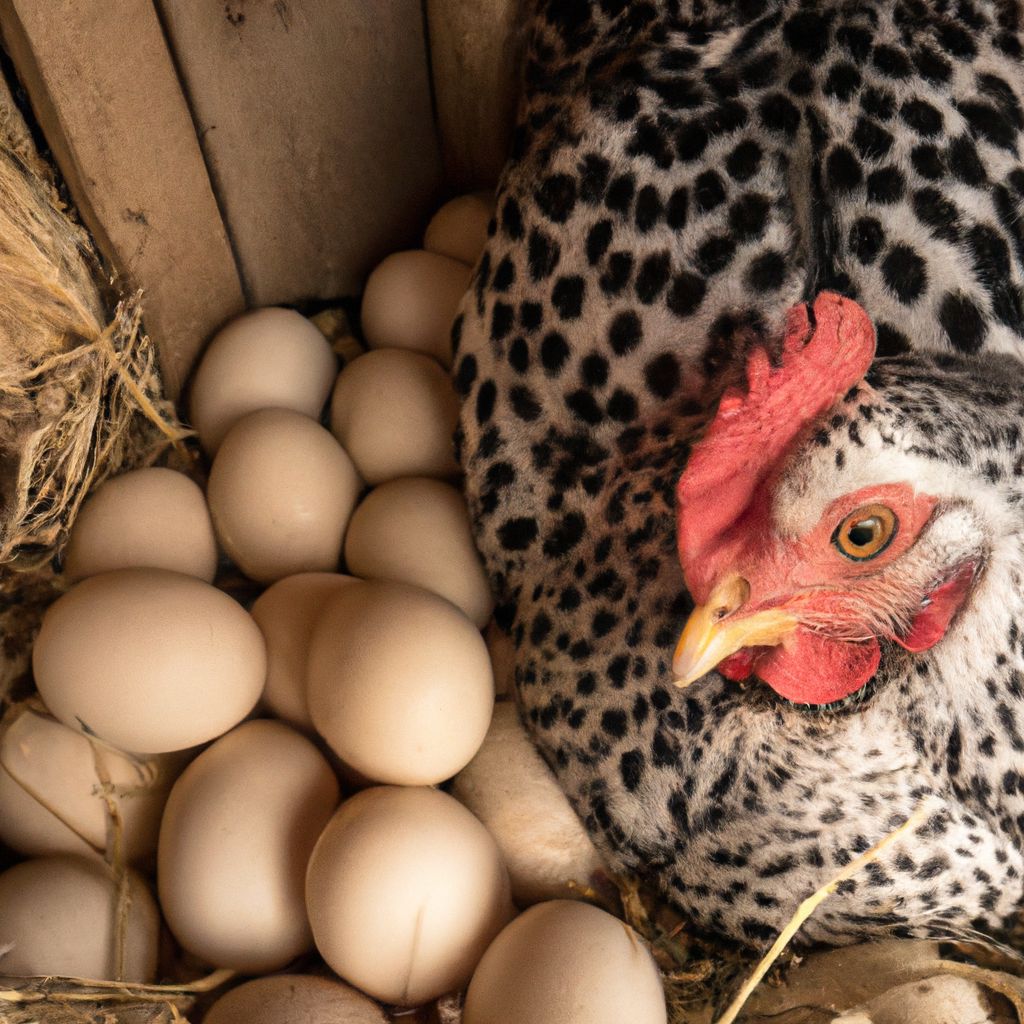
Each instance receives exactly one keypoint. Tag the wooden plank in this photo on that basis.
(474, 48)
(104, 89)
(316, 122)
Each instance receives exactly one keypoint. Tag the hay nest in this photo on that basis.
(80, 394)
(80, 390)
(83, 1001)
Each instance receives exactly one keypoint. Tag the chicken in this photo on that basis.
(748, 327)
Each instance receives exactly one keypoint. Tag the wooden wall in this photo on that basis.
(253, 152)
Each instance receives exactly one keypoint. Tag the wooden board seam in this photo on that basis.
(215, 185)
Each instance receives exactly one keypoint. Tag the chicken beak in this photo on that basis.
(715, 630)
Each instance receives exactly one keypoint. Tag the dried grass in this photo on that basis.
(78, 1000)
(80, 391)
(79, 398)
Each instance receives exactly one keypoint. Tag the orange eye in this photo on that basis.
(865, 533)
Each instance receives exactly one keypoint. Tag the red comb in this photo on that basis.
(751, 432)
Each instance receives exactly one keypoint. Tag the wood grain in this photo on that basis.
(474, 49)
(105, 91)
(315, 118)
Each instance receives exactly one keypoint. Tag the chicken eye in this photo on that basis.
(865, 533)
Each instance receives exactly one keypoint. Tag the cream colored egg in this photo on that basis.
(60, 791)
(294, 999)
(512, 791)
(27, 827)
(410, 302)
(237, 833)
(459, 228)
(149, 518)
(399, 683)
(416, 530)
(281, 491)
(394, 412)
(149, 660)
(405, 889)
(268, 358)
(565, 962)
(286, 613)
(58, 915)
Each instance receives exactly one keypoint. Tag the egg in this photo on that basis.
(149, 660)
(55, 785)
(150, 518)
(286, 613)
(566, 962)
(267, 358)
(512, 791)
(394, 412)
(58, 916)
(459, 228)
(405, 890)
(417, 530)
(410, 303)
(237, 832)
(294, 999)
(399, 683)
(281, 491)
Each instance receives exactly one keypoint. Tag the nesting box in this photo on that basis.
(257, 152)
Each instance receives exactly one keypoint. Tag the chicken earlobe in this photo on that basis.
(930, 624)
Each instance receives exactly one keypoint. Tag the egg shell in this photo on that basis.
(939, 999)
(263, 359)
(58, 917)
(566, 962)
(53, 792)
(405, 890)
(512, 791)
(399, 683)
(394, 412)
(150, 518)
(459, 228)
(28, 828)
(237, 833)
(286, 613)
(294, 999)
(410, 302)
(281, 491)
(149, 660)
(416, 530)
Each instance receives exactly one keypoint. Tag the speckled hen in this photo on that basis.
(814, 210)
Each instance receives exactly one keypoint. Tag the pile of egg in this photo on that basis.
(177, 729)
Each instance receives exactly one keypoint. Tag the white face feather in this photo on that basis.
(811, 482)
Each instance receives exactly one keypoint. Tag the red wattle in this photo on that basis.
(738, 666)
(812, 669)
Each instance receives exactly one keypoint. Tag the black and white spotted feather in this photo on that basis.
(681, 176)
